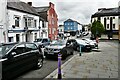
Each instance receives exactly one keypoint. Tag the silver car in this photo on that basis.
(58, 46)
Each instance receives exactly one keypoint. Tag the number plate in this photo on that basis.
(50, 53)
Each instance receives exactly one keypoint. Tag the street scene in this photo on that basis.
(61, 40)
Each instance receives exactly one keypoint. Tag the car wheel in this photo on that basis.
(64, 55)
(39, 63)
(71, 53)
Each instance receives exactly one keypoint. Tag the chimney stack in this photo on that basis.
(51, 4)
(30, 3)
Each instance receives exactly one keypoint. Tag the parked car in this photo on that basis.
(93, 43)
(78, 42)
(42, 42)
(58, 46)
(19, 57)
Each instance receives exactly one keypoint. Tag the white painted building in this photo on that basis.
(109, 19)
(23, 22)
(79, 27)
(3, 20)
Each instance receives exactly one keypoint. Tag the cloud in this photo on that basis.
(79, 10)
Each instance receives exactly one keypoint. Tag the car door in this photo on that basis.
(15, 62)
(33, 54)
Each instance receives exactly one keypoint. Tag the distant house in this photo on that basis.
(72, 27)
(49, 14)
(109, 18)
(23, 22)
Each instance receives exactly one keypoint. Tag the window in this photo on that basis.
(61, 30)
(26, 22)
(10, 39)
(31, 47)
(107, 17)
(20, 49)
(107, 26)
(45, 40)
(17, 37)
(49, 30)
(29, 23)
(43, 24)
(68, 23)
(99, 18)
(35, 23)
(35, 36)
(53, 30)
(113, 17)
(113, 26)
(71, 28)
(52, 21)
(17, 21)
(68, 28)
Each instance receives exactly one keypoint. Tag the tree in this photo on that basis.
(97, 28)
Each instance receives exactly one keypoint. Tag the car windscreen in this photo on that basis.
(38, 40)
(4, 49)
(58, 43)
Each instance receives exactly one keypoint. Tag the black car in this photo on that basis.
(77, 43)
(42, 42)
(19, 57)
(58, 46)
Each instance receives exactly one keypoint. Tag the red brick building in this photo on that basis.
(49, 14)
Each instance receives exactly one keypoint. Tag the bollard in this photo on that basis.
(97, 41)
(80, 51)
(59, 67)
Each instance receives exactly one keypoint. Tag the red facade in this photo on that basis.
(52, 22)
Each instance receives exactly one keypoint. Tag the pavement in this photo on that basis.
(95, 64)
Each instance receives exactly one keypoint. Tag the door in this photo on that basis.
(33, 54)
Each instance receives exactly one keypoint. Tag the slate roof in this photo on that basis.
(107, 12)
(72, 20)
(21, 6)
(42, 11)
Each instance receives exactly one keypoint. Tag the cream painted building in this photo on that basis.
(109, 19)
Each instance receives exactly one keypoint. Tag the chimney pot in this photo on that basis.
(30, 3)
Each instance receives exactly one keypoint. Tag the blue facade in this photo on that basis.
(70, 25)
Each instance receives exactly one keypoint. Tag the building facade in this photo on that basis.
(49, 14)
(23, 22)
(3, 21)
(72, 27)
(109, 19)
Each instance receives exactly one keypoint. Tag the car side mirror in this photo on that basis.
(10, 55)
(67, 44)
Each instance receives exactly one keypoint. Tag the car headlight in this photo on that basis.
(46, 49)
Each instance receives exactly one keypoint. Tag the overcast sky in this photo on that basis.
(79, 10)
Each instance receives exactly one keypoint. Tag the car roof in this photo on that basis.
(14, 43)
(9, 43)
